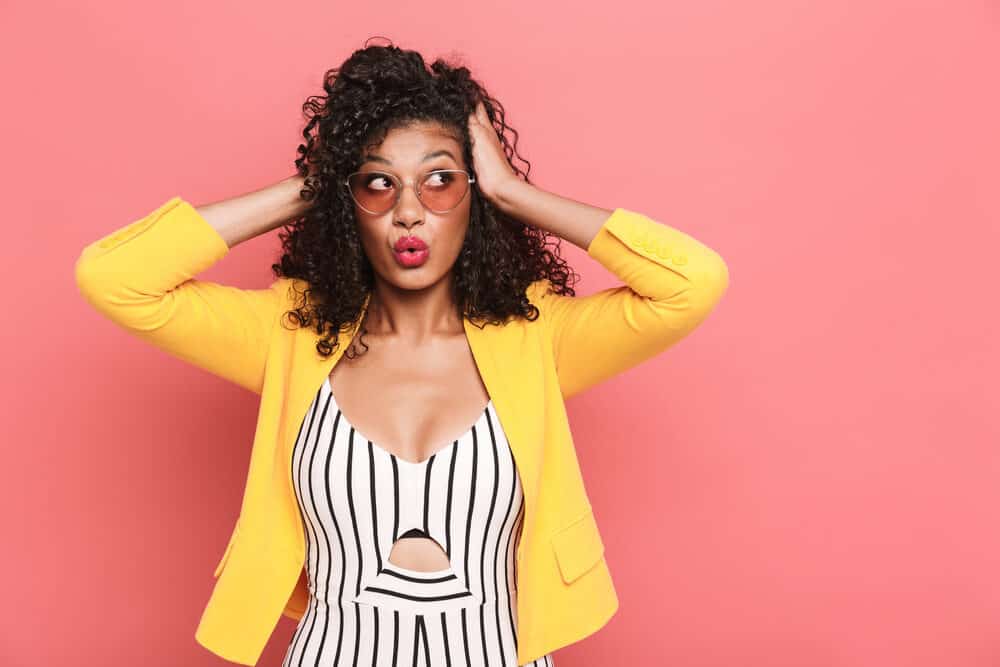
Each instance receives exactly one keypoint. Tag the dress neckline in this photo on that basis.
(488, 408)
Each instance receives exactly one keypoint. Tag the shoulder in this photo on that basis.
(537, 290)
(289, 291)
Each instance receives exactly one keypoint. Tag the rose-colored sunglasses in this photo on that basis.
(440, 190)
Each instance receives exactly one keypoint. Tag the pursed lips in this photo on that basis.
(410, 243)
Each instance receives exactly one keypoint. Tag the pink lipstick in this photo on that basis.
(410, 251)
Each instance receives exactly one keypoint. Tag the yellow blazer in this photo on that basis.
(141, 277)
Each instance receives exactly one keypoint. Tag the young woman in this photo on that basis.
(414, 496)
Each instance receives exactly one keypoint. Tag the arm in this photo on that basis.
(671, 282)
(141, 277)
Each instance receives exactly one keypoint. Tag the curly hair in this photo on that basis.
(376, 89)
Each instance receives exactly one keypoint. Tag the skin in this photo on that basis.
(417, 300)
(417, 387)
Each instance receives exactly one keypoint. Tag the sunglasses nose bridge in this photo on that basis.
(407, 185)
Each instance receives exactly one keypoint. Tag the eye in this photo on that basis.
(378, 181)
(439, 179)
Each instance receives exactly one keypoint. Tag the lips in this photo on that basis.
(412, 243)
(410, 251)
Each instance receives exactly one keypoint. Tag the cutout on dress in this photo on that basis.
(419, 548)
(401, 585)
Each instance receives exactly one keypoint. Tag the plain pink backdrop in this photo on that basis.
(811, 479)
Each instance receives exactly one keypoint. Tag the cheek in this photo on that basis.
(456, 226)
(451, 241)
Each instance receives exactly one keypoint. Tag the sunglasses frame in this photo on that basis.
(400, 185)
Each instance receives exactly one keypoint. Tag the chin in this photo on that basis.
(414, 278)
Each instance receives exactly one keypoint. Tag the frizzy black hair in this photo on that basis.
(376, 89)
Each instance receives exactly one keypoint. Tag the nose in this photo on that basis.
(409, 210)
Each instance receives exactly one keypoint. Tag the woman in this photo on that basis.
(414, 494)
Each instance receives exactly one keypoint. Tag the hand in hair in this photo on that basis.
(493, 171)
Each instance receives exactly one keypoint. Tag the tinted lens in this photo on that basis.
(443, 190)
(373, 191)
(440, 190)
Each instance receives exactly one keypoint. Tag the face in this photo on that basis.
(409, 153)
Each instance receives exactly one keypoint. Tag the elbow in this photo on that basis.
(86, 284)
(85, 270)
(92, 284)
(711, 285)
(83, 276)
(719, 278)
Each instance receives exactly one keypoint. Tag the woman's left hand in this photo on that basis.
(492, 171)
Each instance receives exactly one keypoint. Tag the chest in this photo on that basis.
(411, 401)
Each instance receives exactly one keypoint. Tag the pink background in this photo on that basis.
(810, 479)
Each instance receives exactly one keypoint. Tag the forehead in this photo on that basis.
(414, 145)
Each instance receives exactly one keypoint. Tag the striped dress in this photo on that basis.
(356, 499)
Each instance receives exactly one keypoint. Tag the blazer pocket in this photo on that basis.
(229, 547)
(578, 546)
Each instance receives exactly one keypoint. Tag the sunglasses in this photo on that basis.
(439, 191)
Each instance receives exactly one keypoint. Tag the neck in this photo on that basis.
(414, 315)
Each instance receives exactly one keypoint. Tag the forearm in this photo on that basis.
(652, 258)
(669, 283)
(245, 216)
(569, 219)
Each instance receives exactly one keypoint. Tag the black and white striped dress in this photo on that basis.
(357, 499)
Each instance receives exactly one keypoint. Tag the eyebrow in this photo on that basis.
(371, 157)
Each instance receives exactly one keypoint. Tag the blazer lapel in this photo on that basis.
(505, 364)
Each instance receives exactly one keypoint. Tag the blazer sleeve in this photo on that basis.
(141, 277)
(671, 283)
